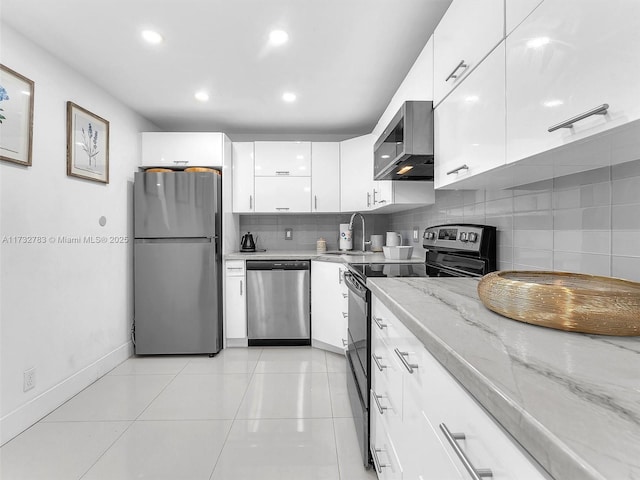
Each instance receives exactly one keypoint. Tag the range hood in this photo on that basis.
(404, 151)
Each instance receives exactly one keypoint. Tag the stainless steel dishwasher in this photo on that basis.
(278, 306)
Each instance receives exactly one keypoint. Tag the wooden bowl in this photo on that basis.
(565, 301)
(158, 170)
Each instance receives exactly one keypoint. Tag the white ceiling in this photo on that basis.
(344, 58)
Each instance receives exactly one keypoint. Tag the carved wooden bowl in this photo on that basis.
(566, 301)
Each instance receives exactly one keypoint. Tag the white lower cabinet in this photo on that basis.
(235, 305)
(431, 421)
(329, 306)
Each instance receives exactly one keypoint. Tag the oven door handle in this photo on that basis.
(354, 285)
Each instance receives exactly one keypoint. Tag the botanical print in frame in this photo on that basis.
(87, 144)
(16, 117)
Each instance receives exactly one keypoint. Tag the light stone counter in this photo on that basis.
(571, 400)
(337, 257)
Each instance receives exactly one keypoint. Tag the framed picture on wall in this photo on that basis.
(87, 144)
(16, 117)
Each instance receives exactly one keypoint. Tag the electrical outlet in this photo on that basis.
(288, 233)
(416, 234)
(29, 379)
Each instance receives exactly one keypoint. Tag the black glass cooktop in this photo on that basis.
(369, 270)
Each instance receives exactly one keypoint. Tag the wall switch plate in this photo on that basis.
(29, 379)
(416, 234)
(288, 233)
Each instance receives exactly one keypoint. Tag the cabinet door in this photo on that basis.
(243, 194)
(561, 64)
(329, 305)
(182, 149)
(235, 307)
(356, 174)
(516, 11)
(283, 194)
(470, 124)
(325, 176)
(468, 31)
(287, 159)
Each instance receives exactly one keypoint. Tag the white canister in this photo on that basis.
(394, 239)
(377, 241)
(346, 243)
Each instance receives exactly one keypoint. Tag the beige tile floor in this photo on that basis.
(248, 413)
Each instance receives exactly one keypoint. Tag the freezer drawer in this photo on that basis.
(278, 307)
(177, 297)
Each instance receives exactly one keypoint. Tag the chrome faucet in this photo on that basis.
(364, 243)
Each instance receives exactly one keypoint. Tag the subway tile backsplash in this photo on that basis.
(587, 223)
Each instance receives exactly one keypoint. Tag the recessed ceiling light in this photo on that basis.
(152, 37)
(278, 37)
(289, 97)
(202, 96)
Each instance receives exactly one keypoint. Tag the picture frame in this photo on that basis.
(87, 144)
(16, 117)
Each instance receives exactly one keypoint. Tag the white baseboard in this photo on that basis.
(326, 346)
(237, 342)
(37, 408)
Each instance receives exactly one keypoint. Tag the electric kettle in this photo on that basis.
(248, 244)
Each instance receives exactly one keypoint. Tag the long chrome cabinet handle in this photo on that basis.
(458, 67)
(340, 275)
(376, 360)
(250, 202)
(282, 208)
(282, 172)
(378, 322)
(456, 170)
(600, 110)
(377, 398)
(181, 162)
(476, 473)
(368, 199)
(403, 358)
(376, 461)
(315, 202)
(240, 287)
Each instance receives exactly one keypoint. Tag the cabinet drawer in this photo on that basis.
(182, 149)
(234, 268)
(383, 451)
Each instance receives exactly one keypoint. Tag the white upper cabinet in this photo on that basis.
(356, 173)
(325, 176)
(516, 11)
(243, 177)
(470, 124)
(286, 159)
(182, 149)
(567, 60)
(282, 194)
(468, 31)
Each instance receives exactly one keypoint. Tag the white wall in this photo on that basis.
(66, 309)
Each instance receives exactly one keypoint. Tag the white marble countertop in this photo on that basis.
(338, 257)
(571, 400)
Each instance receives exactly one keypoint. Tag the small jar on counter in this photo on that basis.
(321, 245)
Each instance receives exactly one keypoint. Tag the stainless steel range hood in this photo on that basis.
(404, 151)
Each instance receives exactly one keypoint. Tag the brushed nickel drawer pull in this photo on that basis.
(475, 473)
(376, 359)
(282, 208)
(345, 315)
(282, 172)
(379, 323)
(452, 74)
(250, 202)
(345, 295)
(377, 398)
(376, 462)
(600, 110)
(403, 358)
(344, 343)
(456, 170)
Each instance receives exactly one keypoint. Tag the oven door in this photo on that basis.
(444, 264)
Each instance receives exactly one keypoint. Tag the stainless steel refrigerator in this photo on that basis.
(177, 263)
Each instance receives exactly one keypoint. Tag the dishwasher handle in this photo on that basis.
(278, 265)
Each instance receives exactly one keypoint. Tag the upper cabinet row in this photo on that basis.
(182, 149)
(316, 177)
(554, 97)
